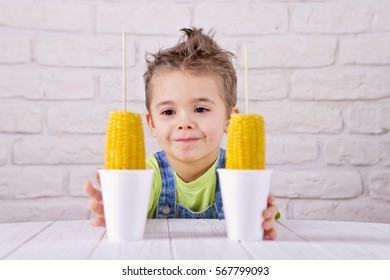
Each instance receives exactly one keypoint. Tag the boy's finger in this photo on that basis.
(90, 191)
(268, 224)
(270, 212)
(271, 199)
(98, 222)
(270, 234)
(97, 176)
(95, 206)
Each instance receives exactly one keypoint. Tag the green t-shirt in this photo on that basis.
(196, 195)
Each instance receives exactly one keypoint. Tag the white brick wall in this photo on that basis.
(319, 73)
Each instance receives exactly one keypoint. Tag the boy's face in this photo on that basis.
(187, 115)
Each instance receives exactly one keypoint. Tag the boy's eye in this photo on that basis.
(201, 109)
(167, 112)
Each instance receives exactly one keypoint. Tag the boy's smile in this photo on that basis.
(188, 117)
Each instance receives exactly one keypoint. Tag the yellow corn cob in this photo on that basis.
(125, 147)
(245, 142)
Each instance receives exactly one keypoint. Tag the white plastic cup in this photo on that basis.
(244, 196)
(126, 198)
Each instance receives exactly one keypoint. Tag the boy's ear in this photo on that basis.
(151, 125)
(235, 110)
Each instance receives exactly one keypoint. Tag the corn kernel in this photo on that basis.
(125, 147)
(246, 142)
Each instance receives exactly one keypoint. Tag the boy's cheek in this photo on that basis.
(153, 132)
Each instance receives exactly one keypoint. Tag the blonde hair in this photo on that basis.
(199, 53)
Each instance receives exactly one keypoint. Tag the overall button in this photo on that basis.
(166, 210)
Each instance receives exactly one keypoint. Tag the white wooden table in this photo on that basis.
(195, 239)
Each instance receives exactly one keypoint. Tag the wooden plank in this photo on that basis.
(385, 228)
(344, 240)
(285, 234)
(196, 239)
(341, 250)
(155, 245)
(285, 250)
(15, 235)
(61, 240)
(203, 239)
(287, 246)
(338, 231)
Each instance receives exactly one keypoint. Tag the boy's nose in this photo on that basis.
(185, 123)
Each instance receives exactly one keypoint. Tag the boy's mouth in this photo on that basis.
(186, 140)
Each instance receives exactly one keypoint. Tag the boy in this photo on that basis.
(191, 91)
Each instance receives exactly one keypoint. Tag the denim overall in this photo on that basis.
(167, 207)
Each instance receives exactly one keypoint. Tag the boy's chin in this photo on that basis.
(187, 155)
(193, 156)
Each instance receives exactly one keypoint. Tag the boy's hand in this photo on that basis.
(95, 203)
(269, 219)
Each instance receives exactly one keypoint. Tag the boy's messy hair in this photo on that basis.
(199, 53)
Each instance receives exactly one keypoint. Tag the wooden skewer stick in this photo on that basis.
(246, 80)
(124, 68)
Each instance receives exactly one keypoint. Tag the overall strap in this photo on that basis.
(217, 196)
(167, 201)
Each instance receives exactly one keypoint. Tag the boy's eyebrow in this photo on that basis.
(200, 99)
(205, 99)
(163, 103)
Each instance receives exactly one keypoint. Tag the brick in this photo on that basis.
(43, 209)
(58, 150)
(362, 209)
(369, 119)
(142, 18)
(79, 177)
(354, 151)
(111, 86)
(35, 182)
(48, 15)
(381, 20)
(50, 84)
(291, 51)
(3, 152)
(379, 185)
(385, 153)
(78, 119)
(291, 150)
(67, 85)
(361, 49)
(295, 117)
(21, 119)
(14, 48)
(10, 85)
(309, 209)
(248, 19)
(340, 83)
(317, 184)
(349, 17)
(83, 50)
(264, 85)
